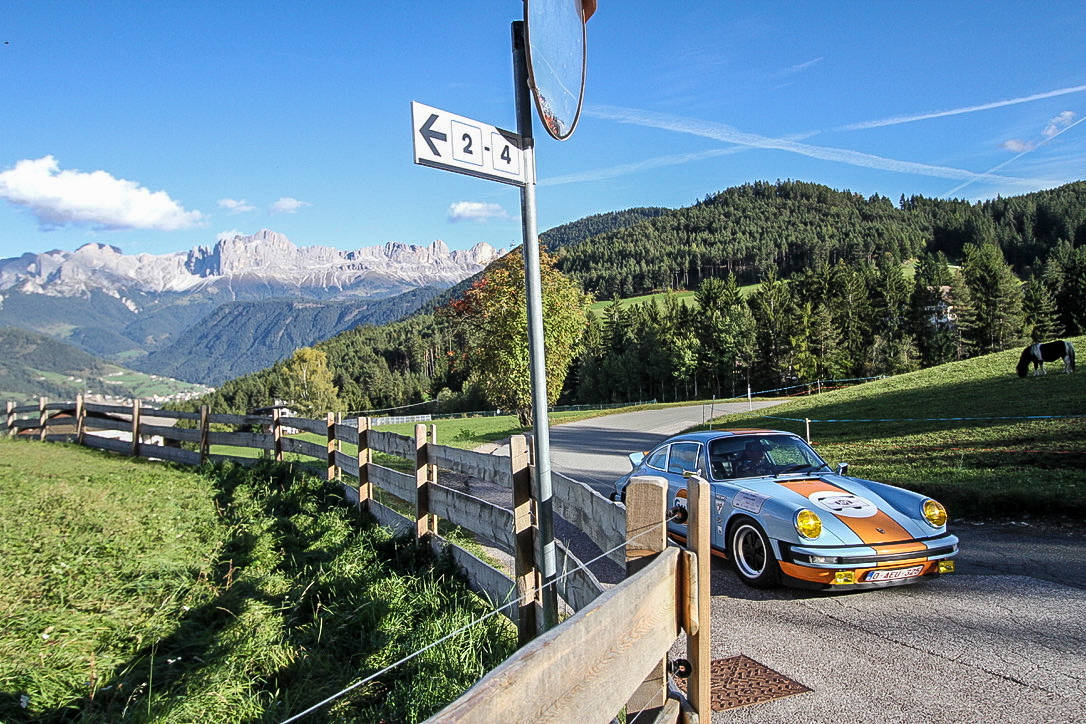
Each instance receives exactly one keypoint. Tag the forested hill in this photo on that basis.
(833, 298)
(790, 226)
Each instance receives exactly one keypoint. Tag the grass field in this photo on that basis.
(971, 433)
(137, 592)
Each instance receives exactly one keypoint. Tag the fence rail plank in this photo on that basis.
(480, 517)
(491, 468)
(107, 443)
(170, 433)
(603, 521)
(317, 427)
(108, 423)
(585, 669)
(347, 463)
(106, 409)
(258, 440)
(301, 447)
(399, 484)
(393, 444)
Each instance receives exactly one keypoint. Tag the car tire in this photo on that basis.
(751, 554)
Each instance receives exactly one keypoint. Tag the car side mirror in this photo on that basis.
(636, 458)
(842, 468)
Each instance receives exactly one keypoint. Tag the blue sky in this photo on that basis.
(159, 126)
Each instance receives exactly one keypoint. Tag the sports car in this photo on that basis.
(782, 515)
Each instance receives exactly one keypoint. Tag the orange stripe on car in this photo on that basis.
(878, 528)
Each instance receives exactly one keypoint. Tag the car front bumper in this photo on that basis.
(857, 567)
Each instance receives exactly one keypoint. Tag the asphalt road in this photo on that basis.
(1001, 640)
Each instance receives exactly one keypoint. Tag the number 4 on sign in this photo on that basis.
(454, 143)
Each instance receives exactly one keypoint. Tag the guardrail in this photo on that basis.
(630, 627)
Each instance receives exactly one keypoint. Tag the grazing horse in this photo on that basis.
(1040, 353)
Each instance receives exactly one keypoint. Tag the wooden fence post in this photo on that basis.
(136, 428)
(646, 536)
(699, 501)
(277, 433)
(205, 414)
(11, 418)
(80, 419)
(422, 489)
(528, 578)
(42, 418)
(365, 487)
(330, 419)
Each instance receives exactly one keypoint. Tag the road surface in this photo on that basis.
(1001, 640)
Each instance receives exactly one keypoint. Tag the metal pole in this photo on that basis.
(533, 291)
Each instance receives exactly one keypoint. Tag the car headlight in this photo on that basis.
(808, 524)
(934, 513)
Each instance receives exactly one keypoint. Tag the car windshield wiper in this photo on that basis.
(801, 468)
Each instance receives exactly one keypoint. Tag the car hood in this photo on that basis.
(850, 510)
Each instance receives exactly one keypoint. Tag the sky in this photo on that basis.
(159, 126)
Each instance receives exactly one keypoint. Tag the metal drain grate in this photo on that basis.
(741, 681)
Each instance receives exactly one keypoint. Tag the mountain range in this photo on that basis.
(238, 306)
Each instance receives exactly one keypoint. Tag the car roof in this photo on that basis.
(706, 435)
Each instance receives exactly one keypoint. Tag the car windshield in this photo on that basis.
(744, 456)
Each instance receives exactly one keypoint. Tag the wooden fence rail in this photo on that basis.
(639, 618)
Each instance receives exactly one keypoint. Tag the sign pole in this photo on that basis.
(533, 292)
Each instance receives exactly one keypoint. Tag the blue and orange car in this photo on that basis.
(782, 515)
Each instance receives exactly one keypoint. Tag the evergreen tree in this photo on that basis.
(997, 299)
(1039, 307)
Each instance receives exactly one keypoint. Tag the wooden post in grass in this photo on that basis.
(205, 414)
(11, 418)
(365, 487)
(646, 537)
(697, 583)
(422, 488)
(80, 419)
(277, 433)
(330, 419)
(135, 428)
(530, 608)
(42, 402)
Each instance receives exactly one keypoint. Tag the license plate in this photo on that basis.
(894, 574)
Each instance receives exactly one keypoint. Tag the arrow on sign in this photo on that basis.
(430, 135)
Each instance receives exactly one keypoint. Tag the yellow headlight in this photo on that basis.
(808, 524)
(935, 513)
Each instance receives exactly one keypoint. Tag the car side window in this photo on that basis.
(658, 458)
(684, 457)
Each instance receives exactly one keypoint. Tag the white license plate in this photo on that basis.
(894, 574)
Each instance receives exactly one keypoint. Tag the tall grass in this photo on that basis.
(143, 593)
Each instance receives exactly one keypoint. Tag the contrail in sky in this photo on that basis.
(727, 134)
(960, 111)
(1014, 158)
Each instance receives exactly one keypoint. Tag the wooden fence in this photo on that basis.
(617, 639)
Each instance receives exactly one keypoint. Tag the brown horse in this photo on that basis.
(1038, 354)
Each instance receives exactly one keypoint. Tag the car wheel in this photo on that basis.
(752, 555)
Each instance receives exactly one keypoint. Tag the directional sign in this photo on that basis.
(454, 143)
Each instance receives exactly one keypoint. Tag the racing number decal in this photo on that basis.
(872, 527)
(843, 504)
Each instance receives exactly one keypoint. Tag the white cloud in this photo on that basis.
(236, 206)
(475, 211)
(1058, 124)
(287, 205)
(1018, 146)
(96, 199)
(228, 235)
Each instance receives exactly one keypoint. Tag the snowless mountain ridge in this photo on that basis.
(267, 257)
